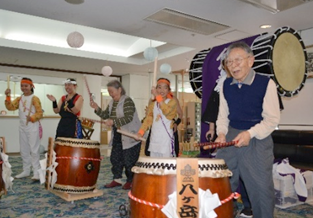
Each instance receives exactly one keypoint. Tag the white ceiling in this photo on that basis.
(97, 19)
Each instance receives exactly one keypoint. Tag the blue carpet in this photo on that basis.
(30, 199)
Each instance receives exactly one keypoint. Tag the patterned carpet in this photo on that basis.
(30, 199)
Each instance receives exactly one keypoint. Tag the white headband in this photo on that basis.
(69, 81)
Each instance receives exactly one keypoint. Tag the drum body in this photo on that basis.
(78, 165)
(155, 180)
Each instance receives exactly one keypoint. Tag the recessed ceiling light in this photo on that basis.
(265, 26)
(75, 2)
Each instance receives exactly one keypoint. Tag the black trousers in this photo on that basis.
(121, 159)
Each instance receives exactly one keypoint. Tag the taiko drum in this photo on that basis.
(155, 179)
(78, 165)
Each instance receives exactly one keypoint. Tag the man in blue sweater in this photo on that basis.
(248, 114)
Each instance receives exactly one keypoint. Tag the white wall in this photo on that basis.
(298, 110)
(137, 87)
(9, 129)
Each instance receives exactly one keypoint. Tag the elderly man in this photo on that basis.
(248, 113)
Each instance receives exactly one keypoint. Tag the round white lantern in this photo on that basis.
(150, 53)
(75, 40)
(107, 70)
(165, 68)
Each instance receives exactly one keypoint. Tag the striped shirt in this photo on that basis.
(128, 109)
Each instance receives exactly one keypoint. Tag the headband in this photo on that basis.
(69, 81)
(24, 81)
(164, 81)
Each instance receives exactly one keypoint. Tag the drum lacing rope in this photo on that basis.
(79, 158)
(234, 195)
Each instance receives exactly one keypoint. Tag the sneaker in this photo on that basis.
(127, 186)
(112, 184)
(22, 175)
(246, 212)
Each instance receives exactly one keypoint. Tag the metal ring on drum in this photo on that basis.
(155, 179)
(78, 165)
(283, 57)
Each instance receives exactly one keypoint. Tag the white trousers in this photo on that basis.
(29, 146)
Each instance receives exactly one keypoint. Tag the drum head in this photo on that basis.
(289, 62)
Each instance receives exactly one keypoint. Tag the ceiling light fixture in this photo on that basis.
(75, 2)
(265, 26)
(259, 4)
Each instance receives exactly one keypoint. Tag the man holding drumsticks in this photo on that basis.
(248, 113)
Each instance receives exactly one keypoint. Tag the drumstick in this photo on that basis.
(88, 90)
(210, 145)
(154, 74)
(8, 82)
(131, 135)
(96, 121)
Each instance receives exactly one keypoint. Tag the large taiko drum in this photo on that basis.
(155, 179)
(283, 57)
(78, 165)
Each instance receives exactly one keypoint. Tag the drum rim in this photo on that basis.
(64, 139)
(215, 168)
(171, 160)
(81, 143)
(194, 85)
(280, 89)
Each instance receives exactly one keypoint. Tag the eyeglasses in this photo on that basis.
(236, 61)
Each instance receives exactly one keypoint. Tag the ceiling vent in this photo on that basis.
(186, 22)
(275, 6)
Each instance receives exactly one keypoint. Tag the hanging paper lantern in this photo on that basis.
(165, 68)
(107, 70)
(75, 40)
(150, 53)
